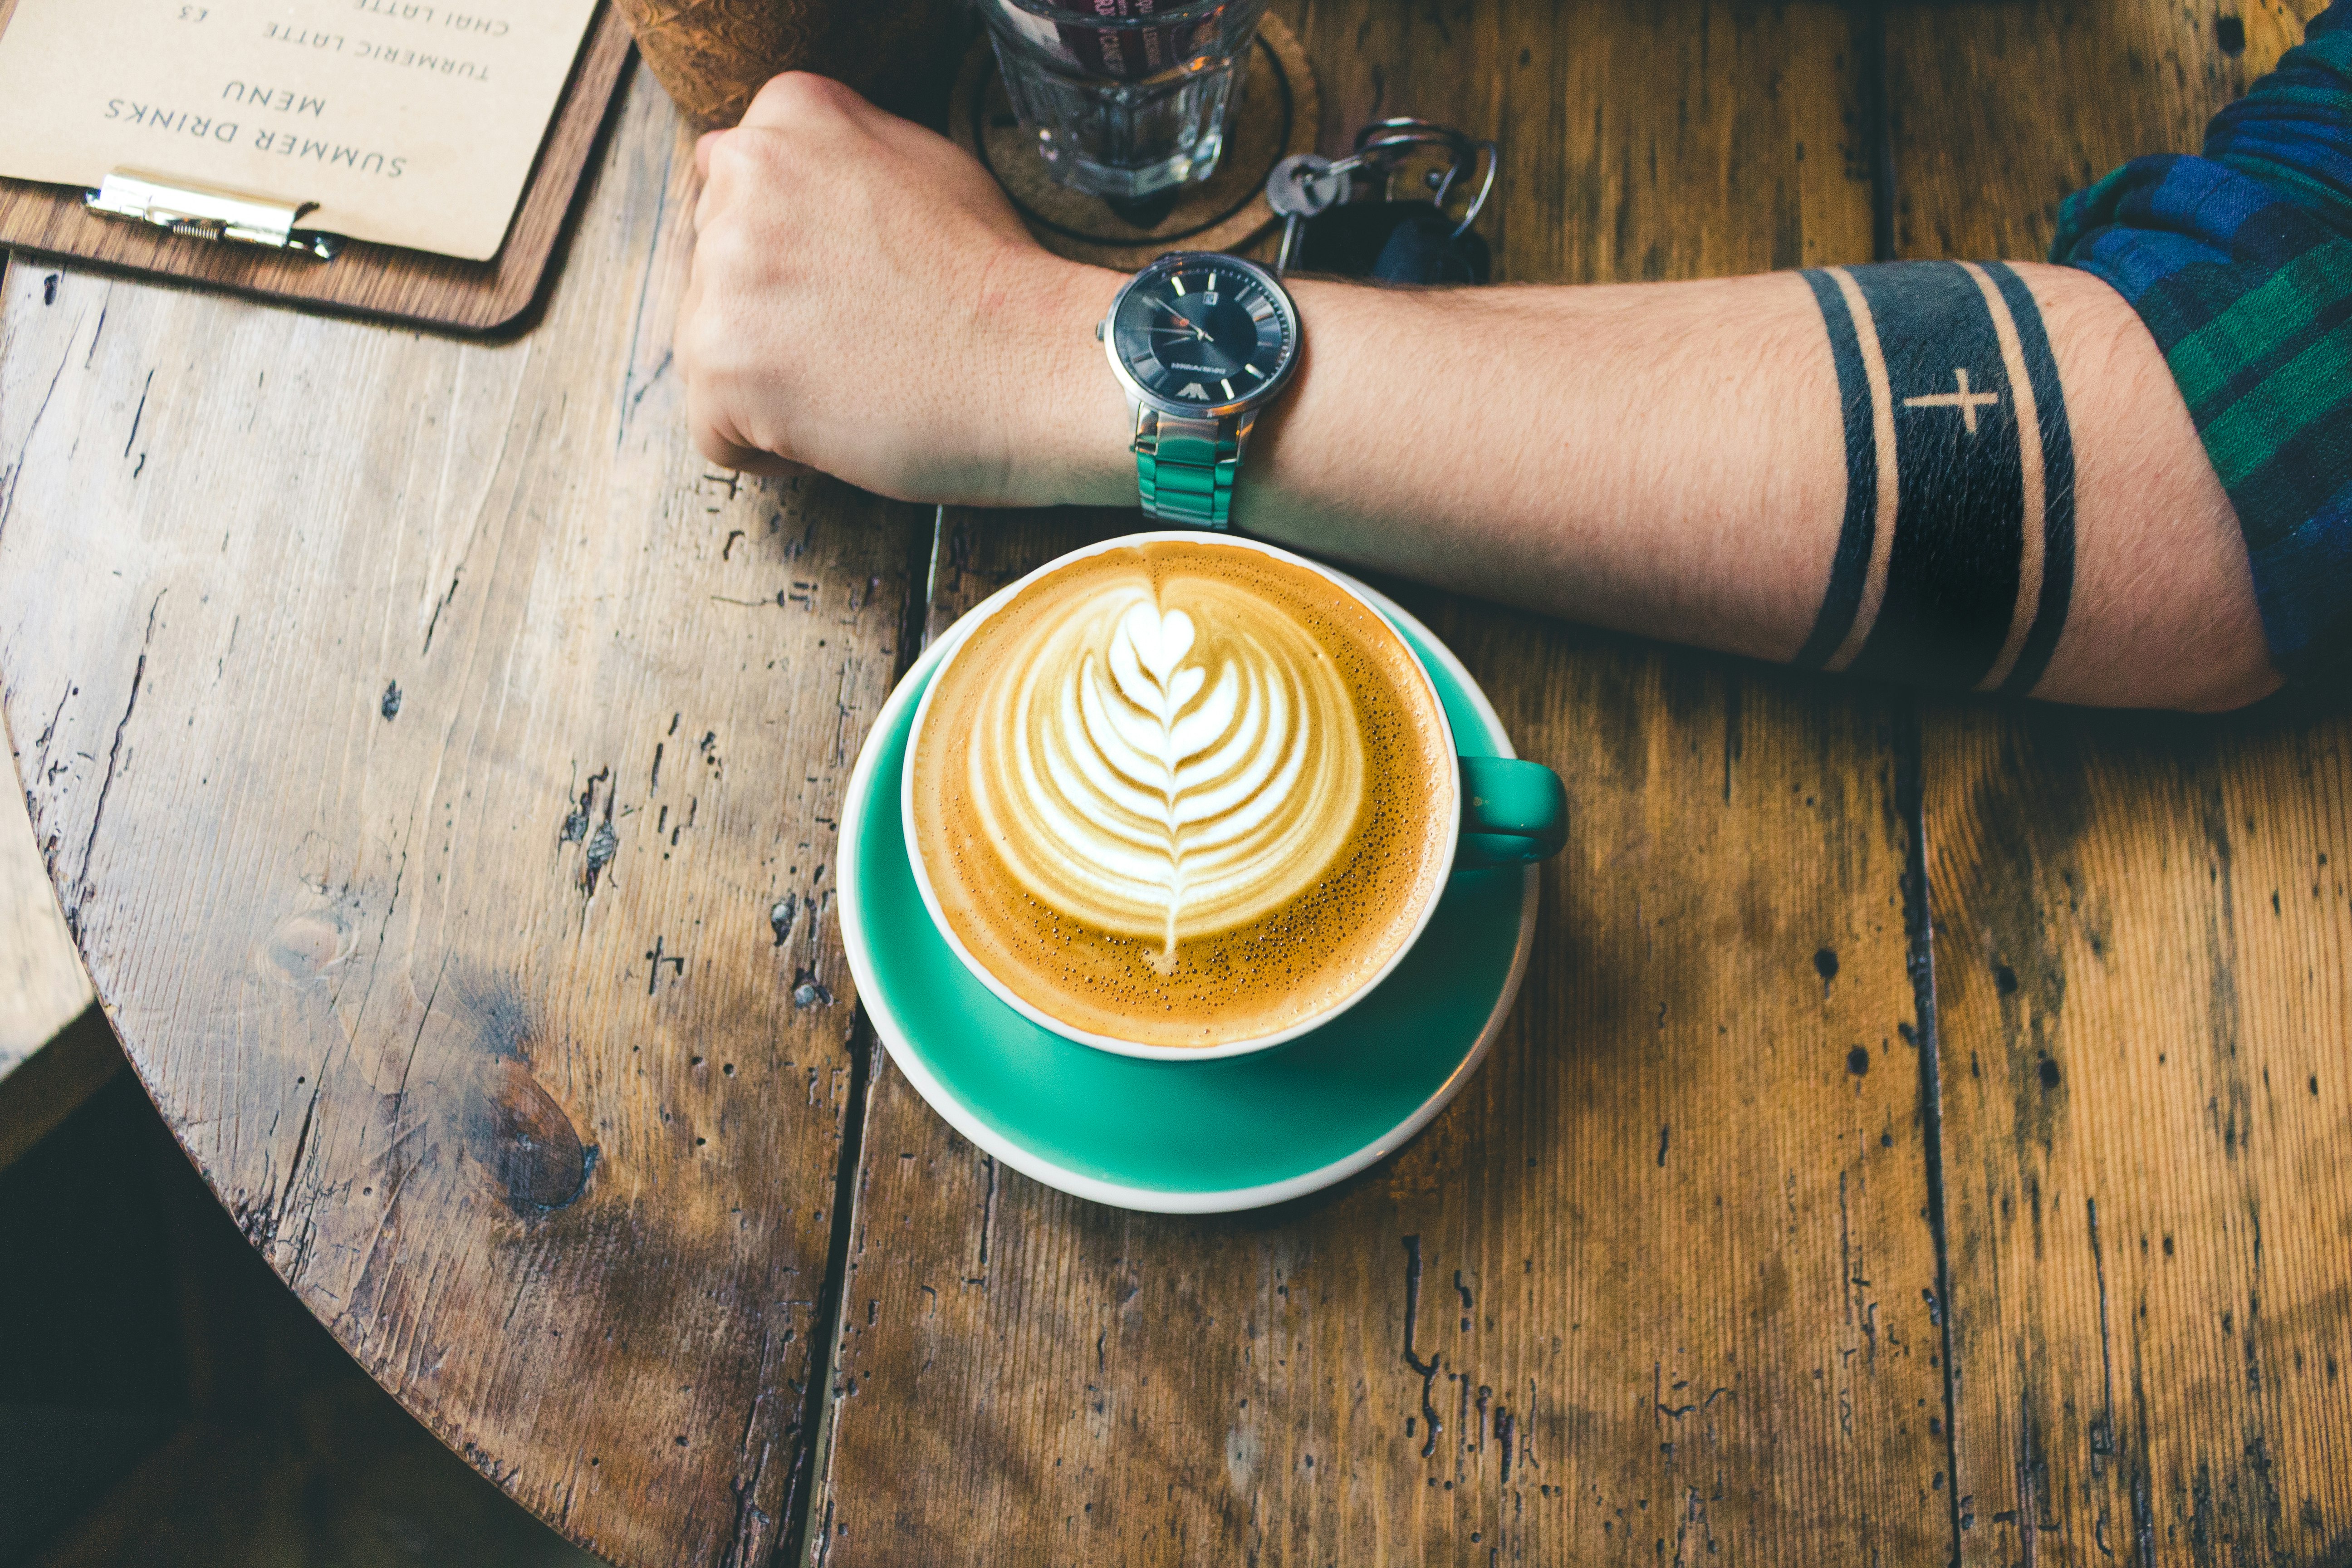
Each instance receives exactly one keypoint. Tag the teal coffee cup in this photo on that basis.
(1488, 811)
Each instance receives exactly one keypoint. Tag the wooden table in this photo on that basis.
(44, 1072)
(1918, 1136)
(42, 987)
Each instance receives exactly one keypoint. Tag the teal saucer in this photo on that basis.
(1180, 1137)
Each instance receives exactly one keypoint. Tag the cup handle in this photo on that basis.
(1513, 812)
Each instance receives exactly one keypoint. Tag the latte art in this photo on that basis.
(1180, 792)
(1153, 784)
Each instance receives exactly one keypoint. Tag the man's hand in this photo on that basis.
(863, 301)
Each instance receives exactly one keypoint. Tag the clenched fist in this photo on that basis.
(864, 302)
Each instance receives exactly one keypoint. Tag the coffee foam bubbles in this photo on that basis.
(1164, 760)
(1181, 792)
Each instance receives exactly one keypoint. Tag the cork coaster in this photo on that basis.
(1280, 113)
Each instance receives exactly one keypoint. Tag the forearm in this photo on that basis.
(1882, 470)
(1671, 460)
(1619, 455)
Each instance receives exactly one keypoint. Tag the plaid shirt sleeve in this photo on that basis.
(2239, 261)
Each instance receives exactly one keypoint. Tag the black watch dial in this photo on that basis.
(1204, 332)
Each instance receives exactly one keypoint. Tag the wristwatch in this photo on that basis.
(1201, 342)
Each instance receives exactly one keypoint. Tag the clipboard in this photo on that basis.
(383, 282)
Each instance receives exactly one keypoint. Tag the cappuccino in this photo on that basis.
(1183, 792)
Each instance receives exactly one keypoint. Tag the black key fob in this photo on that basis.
(1392, 242)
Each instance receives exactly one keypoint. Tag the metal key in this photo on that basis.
(1301, 186)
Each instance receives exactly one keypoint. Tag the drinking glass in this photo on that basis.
(1125, 98)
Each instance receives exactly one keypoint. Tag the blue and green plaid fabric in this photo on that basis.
(2239, 261)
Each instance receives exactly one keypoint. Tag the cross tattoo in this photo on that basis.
(1967, 402)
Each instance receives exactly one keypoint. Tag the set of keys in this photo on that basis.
(1329, 227)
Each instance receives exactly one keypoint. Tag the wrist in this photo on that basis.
(1070, 446)
(1075, 445)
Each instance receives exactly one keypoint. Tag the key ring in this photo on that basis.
(1486, 187)
(1384, 142)
(1304, 185)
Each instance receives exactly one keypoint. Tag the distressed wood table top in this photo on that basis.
(1917, 1139)
(42, 987)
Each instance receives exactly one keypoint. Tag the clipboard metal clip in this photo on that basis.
(210, 212)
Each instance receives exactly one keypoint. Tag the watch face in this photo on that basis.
(1202, 331)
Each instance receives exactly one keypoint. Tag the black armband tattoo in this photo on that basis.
(1955, 563)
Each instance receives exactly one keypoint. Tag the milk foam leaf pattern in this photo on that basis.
(1166, 761)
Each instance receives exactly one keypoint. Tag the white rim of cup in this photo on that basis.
(960, 636)
(965, 1118)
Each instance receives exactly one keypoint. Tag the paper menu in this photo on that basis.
(410, 125)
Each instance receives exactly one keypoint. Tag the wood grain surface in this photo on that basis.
(47, 1069)
(436, 764)
(380, 281)
(2139, 964)
(1661, 1284)
(438, 767)
(42, 986)
(183, 1408)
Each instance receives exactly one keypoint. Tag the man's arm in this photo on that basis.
(1672, 460)
(1732, 463)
